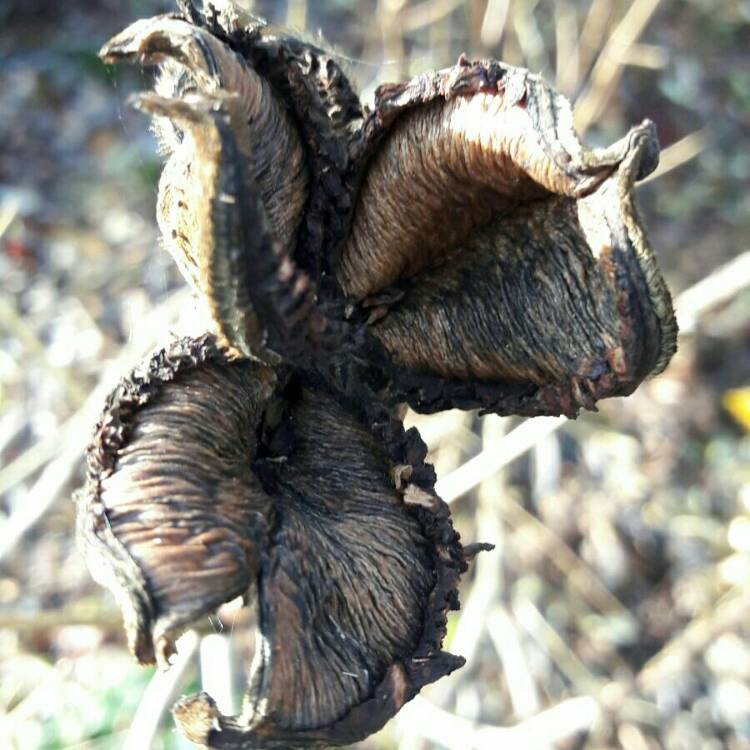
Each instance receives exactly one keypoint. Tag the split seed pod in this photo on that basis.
(211, 477)
(459, 235)
(456, 246)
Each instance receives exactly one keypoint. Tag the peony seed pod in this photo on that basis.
(212, 476)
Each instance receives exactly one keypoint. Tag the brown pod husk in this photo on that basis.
(459, 238)
(501, 263)
(211, 477)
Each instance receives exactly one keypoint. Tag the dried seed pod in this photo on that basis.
(210, 477)
(506, 263)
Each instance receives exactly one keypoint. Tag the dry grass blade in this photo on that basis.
(493, 23)
(487, 586)
(106, 617)
(553, 725)
(518, 676)
(530, 37)
(532, 620)
(609, 66)
(216, 670)
(679, 153)
(566, 47)
(587, 45)
(42, 494)
(650, 56)
(576, 573)
(7, 217)
(427, 13)
(725, 283)
(489, 461)
(34, 457)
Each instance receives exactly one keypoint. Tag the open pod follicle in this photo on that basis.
(212, 477)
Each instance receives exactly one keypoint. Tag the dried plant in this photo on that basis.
(455, 246)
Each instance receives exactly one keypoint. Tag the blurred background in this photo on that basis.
(615, 609)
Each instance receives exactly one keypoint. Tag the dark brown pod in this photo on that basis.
(255, 126)
(211, 477)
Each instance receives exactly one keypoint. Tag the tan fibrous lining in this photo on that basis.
(268, 139)
(445, 168)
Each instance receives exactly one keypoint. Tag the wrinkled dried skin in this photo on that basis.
(203, 485)
(245, 275)
(347, 577)
(498, 252)
(347, 580)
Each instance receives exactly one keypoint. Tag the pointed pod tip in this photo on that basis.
(123, 46)
(110, 53)
(426, 671)
(472, 550)
(648, 144)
